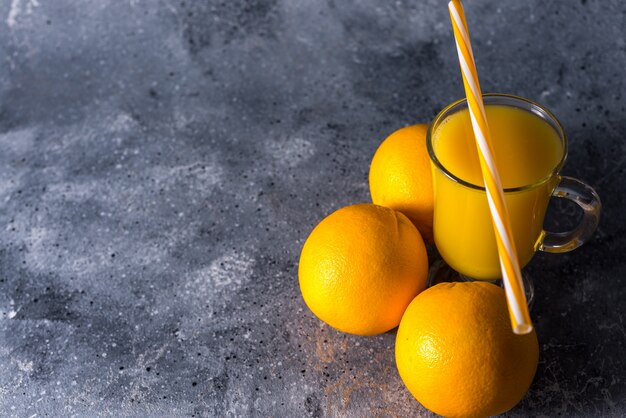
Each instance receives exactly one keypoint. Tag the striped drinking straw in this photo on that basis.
(511, 274)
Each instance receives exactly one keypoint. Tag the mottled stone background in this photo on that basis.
(162, 162)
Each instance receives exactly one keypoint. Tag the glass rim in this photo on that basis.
(539, 111)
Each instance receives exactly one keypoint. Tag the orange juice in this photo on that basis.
(527, 151)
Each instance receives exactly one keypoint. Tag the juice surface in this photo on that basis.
(527, 149)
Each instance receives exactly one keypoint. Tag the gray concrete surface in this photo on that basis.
(161, 164)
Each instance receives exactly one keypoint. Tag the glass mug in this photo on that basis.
(463, 229)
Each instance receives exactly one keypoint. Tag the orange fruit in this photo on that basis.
(361, 267)
(457, 354)
(400, 177)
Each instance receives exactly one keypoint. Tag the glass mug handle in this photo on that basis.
(585, 197)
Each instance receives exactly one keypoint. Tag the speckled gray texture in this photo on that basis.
(161, 164)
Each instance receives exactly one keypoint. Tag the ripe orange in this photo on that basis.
(457, 354)
(400, 177)
(361, 267)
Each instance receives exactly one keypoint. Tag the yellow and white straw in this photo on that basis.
(511, 274)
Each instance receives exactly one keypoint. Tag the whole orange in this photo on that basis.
(457, 354)
(400, 177)
(361, 267)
